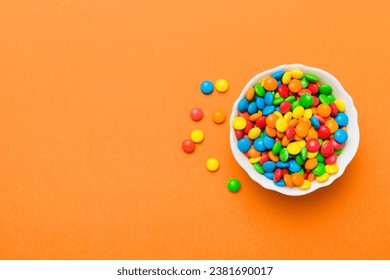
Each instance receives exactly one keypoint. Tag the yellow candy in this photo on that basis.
(301, 143)
(340, 105)
(298, 112)
(278, 114)
(254, 160)
(331, 168)
(296, 74)
(322, 178)
(294, 148)
(306, 185)
(277, 95)
(308, 113)
(212, 164)
(197, 135)
(254, 133)
(239, 123)
(312, 155)
(288, 116)
(281, 125)
(221, 85)
(286, 78)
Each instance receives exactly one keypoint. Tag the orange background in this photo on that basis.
(95, 97)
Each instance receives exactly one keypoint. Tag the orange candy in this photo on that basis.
(279, 134)
(255, 116)
(312, 134)
(332, 125)
(271, 132)
(253, 152)
(297, 179)
(273, 157)
(288, 180)
(324, 110)
(271, 120)
(219, 116)
(302, 129)
(293, 123)
(285, 141)
(311, 177)
(295, 85)
(270, 84)
(250, 94)
(311, 163)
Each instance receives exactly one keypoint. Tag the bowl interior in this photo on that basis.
(343, 159)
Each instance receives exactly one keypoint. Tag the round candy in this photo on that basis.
(295, 85)
(327, 149)
(234, 185)
(325, 89)
(285, 107)
(341, 136)
(219, 116)
(270, 84)
(188, 146)
(212, 164)
(197, 136)
(196, 114)
(207, 87)
(324, 110)
(342, 119)
(323, 132)
(306, 100)
(221, 85)
(239, 123)
(313, 145)
(244, 144)
(243, 105)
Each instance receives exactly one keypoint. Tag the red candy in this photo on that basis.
(323, 132)
(188, 146)
(249, 126)
(327, 149)
(283, 90)
(196, 114)
(313, 145)
(290, 132)
(264, 158)
(331, 159)
(335, 144)
(316, 101)
(261, 122)
(244, 115)
(333, 109)
(277, 174)
(239, 134)
(285, 107)
(313, 88)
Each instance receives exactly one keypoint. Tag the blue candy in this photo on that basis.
(294, 166)
(340, 136)
(315, 122)
(268, 110)
(207, 87)
(280, 183)
(260, 103)
(252, 108)
(269, 166)
(269, 142)
(341, 119)
(243, 105)
(269, 98)
(282, 164)
(278, 74)
(244, 144)
(269, 175)
(258, 144)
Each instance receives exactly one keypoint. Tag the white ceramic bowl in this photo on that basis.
(343, 159)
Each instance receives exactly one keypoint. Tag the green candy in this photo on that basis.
(290, 98)
(283, 155)
(320, 140)
(302, 171)
(331, 98)
(262, 134)
(276, 148)
(325, 89)
(304, 82)
(319, 169)
(311, 77)
(320, 157)
(304, 153)
(295, 104)
(277, 101)
(259, 89)
(258, 168)
(234, 185)
(299, 159)
(306, 100)
(324, 99)
(339, 151)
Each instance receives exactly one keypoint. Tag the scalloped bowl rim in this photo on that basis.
(344, 158)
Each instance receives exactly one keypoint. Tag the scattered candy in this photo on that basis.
(207, 87)
(234, 185)
(197, 136)
(212, 164)
(188, 146)
(292, 128)
(221, 85)
(196, 114)
(219, 116)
